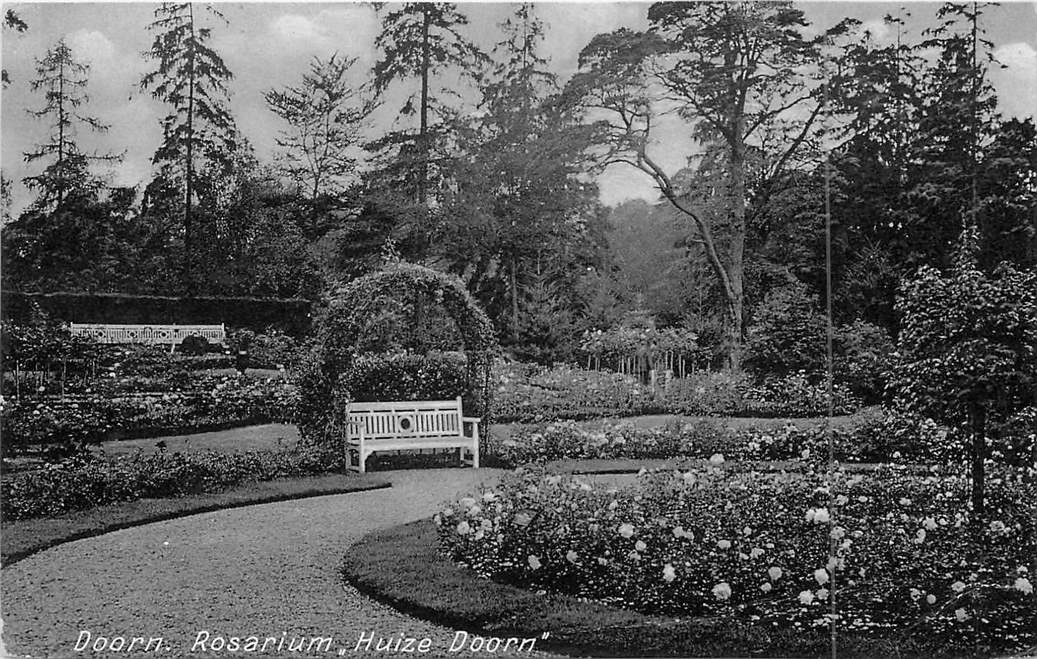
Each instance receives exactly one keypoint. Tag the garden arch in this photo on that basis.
(354, 304)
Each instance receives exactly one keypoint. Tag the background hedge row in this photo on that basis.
(291, 316)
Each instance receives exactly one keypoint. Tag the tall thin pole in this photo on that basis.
(830, 477)
(975, 115)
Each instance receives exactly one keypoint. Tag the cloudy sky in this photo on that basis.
(269, 44)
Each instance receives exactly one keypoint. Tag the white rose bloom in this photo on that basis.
(722, 591)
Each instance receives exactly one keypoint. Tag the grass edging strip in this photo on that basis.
(402, 567)
(23, 538)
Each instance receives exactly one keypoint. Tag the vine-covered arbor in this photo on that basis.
(411, 296)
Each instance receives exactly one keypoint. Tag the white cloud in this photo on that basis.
(324, 29)
(1019, 55)
(91, 46)
(571, 26)
(293, 27)
(1017, 84)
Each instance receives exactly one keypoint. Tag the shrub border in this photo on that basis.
(99, 520)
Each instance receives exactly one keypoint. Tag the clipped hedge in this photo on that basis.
(436, 376)
(291, 316)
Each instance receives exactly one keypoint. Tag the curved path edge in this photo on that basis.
(268, 571)
(14, 557)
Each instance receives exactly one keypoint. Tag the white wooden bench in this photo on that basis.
(403, 425)
(171, 335)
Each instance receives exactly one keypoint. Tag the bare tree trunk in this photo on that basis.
(514, 302)
(189, 237)
(61, 136)
(423, 137)
(736, 263)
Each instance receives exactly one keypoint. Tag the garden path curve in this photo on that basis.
(254, 571)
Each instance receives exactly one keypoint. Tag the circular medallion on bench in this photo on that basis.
(405, 423)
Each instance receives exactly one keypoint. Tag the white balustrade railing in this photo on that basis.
(152, 334)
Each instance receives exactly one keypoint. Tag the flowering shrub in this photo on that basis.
(871, 436)
(24, 423)
(718, 541)
(208, 401)
(157, 362)
(622, 341)
(265, 350)
(798, 395)
(527, 393)
(85, 479)
(707, 393)
(1015, 441)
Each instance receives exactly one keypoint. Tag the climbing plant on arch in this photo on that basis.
(343, 329)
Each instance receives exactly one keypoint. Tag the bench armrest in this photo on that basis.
(472, 419)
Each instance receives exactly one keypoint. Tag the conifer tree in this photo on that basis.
(12, 21)
(63, 79)
(325, 115)
(199, 131)
(422, 40)
(517, 199)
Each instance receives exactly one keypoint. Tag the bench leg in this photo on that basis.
(475, 452)
(360, 458)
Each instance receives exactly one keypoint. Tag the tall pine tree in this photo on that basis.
(516, 197)
(63, 79)
(958, 119)
(421, 41)
(199, 131)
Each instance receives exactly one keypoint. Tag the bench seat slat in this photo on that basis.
(406, 405)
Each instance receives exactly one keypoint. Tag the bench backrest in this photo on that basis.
(166, 334)
(416, 418)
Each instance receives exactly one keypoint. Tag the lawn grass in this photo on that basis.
(22, 538)
(403, 567)
(270, 436)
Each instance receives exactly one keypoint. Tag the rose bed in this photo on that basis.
(728, 560)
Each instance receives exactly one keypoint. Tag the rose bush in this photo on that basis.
(85, 479)
(271, 349)
(870, 436)
(719, 541)
(527, 393)
(202, 401)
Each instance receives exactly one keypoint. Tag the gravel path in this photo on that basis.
(262, 571)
